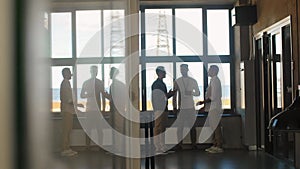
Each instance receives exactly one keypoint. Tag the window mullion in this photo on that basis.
(205, 48)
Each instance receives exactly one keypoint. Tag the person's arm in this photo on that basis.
(83, 93)
(175, 88)
(170, 93)
(80, 105)
(103, 94)
(204, 101)
(196, 91)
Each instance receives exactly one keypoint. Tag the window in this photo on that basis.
(61, 35)
(99, 39)
(218, 41)
(189, 35)
(186, 43)
(88, 35)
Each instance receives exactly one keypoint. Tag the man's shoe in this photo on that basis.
(216, 150)
(170, 151)
(160, 152)
(210, 148)
(68, 153)
(72, 152)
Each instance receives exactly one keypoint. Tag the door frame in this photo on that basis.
(265, 78)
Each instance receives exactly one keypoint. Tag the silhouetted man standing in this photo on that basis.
(159, 101)
(187, 88)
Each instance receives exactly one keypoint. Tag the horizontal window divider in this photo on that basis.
(109, 60)
(217, 59)
(72, 61)
(188, 58)
(158, 59)
(89, 60)
(63, 62)
(105, 60)
(160, 5)
(67, 6)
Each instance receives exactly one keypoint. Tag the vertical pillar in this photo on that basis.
(6, 90)
(132, 78)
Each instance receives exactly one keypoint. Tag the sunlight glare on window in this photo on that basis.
(218, 32)
(88, 35)
(61, 35)
(189, 36)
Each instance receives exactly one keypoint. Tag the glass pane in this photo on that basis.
(57, 78)
(61, 35)
(278, 45)
(140, 87)
(140, 31)
(151, 77)
(242, 83)
(196, 72)
(189, 36)
(224, 76)
(114, 33)
(279, 73)
(218, 32)
(158, 32)
(83, 74)
(88, 35)
(278, 82)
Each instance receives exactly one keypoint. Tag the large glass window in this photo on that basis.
(218, 32)
(169, 41)
(61, 35)
(189, 35)
(88, 35)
